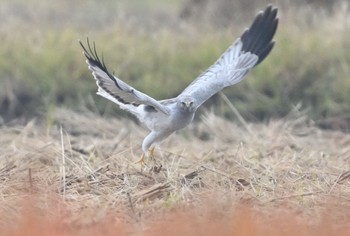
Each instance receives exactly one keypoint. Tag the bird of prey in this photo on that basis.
(164, 117)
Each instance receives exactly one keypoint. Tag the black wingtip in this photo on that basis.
(258, 39)
(87, 54)
(94, 60)
(91, 55)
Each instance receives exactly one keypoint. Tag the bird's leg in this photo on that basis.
(142, 160)
(151, 153)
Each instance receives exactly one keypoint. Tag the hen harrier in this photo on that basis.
(164, 117)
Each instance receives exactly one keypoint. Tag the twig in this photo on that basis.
(131, 205)
(215, 171)
(295, 195)
(143, 174)
(343, 176)
(236, 112)
(63, 164)
(191, 175)
(240, 182)
(340, 179)
(152, 192)
(30, 179)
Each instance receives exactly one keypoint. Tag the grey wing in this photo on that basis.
(112, 88)
(245, 53)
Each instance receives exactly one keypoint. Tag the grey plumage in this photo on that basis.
(164, 117)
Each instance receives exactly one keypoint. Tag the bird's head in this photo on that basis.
(187, 103)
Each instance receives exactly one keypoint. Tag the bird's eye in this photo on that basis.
(183, 104)
(191, 103)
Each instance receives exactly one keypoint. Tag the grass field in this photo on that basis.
(149, 45)
(84, 176)
(260, 164)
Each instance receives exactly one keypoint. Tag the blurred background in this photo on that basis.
(166, 44)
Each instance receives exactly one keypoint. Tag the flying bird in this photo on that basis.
(164, 117)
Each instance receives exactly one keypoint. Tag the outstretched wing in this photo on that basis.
(245, 53)
(112, 88)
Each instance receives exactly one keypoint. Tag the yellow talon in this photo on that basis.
(141, 161)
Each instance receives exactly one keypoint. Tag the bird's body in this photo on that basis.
(165, 117)
(162, 125)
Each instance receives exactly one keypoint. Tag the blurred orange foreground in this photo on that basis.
(243, 221)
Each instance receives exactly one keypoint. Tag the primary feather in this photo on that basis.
(109, 86)
(245, 53)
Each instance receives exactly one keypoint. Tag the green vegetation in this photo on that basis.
(42, 66)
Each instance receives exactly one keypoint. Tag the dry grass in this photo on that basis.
(85, 164)
(74, 174)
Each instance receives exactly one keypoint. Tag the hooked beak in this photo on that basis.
(188, 105)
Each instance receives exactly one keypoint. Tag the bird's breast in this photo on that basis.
(181, 119)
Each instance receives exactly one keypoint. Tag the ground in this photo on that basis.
(78, 169)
